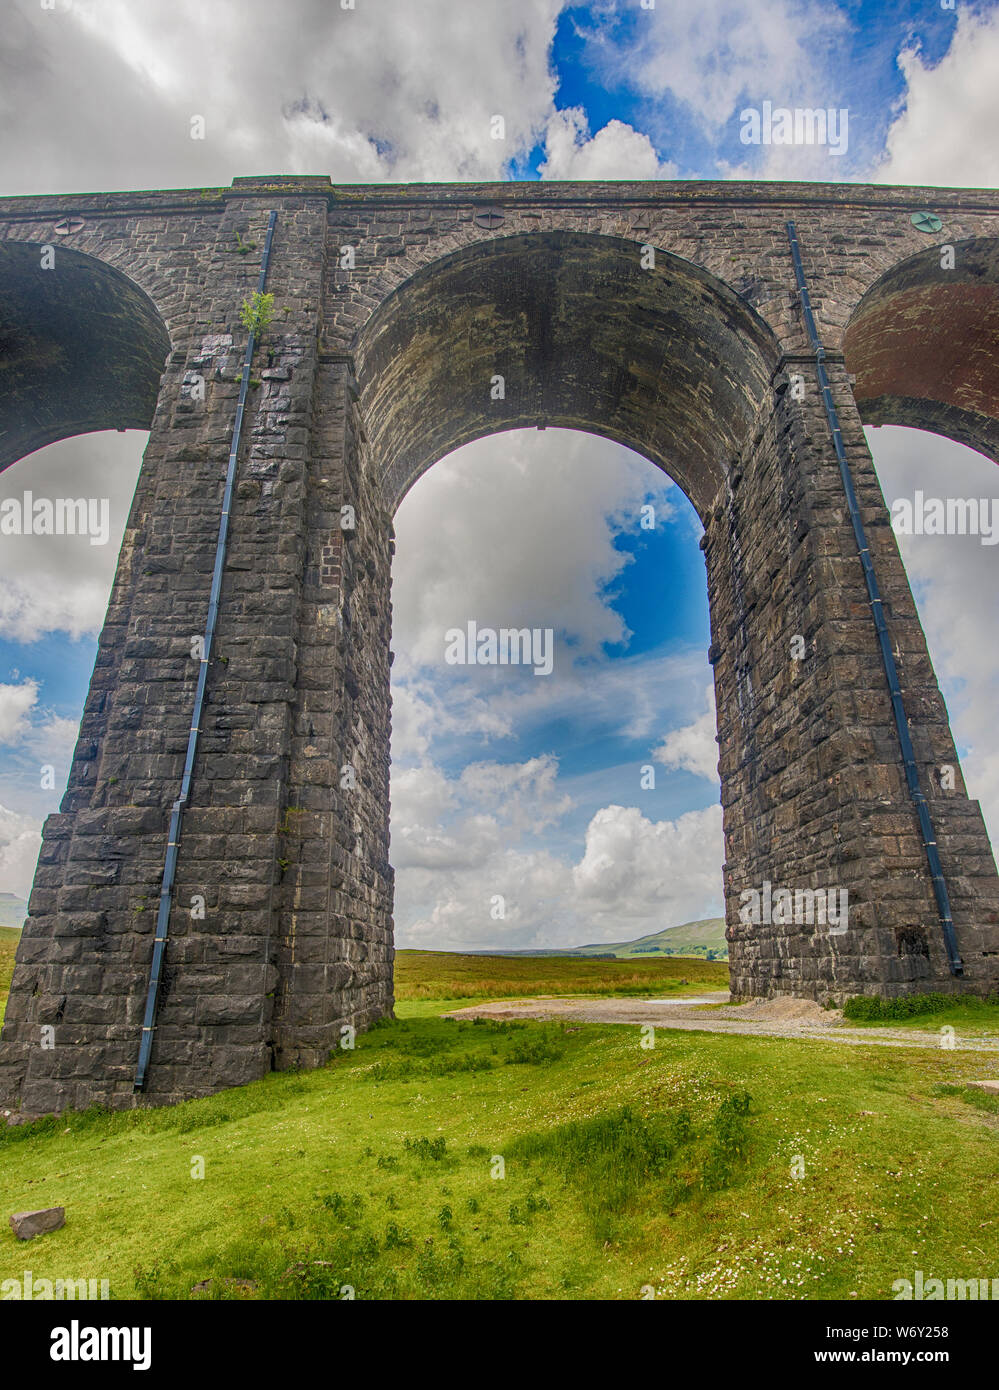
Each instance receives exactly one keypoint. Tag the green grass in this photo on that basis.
(971, 1095)
(447, 1159)
(623, 1168)
(445, 975)
(962, 1011)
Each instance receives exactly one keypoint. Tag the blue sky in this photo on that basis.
(502, 782)
(857, 50)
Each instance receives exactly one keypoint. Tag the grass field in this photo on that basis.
(446, 975)
(964, 1013)
(709, 1166)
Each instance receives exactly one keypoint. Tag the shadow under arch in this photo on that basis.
(669, 361)
(923, 342)
(82, 348)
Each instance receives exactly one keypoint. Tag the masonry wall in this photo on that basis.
(813, 785)
(334, 899)
(286, 835)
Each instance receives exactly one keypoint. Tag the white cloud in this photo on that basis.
(62, 583)
(945, 132)
(693, 747)
(16, 703)
(526, 539)
(20, 840)
(712, 55)
(635, 875)
(955, 584)
(524, 528)
(53, 740)
(386, 91)
(631, 697)
(617, 151)
(487, 807)
(637, 870)
(421, 798)
(50, 603)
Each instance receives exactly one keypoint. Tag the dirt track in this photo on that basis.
(770, 1018)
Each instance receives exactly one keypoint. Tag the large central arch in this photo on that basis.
(586, 332)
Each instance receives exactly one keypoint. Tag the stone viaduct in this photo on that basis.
(395, 307)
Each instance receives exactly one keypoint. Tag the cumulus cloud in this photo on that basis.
(712, 56)
(523, 529)
(617, 151)
(54, 739)
(693, 747)
(473, 874)
(442, 823)
(944, 132)
(24, 726)
(387, 91)
(62, 583)
(16, 703)
(20, 841)
(634, 868)
(631, 697)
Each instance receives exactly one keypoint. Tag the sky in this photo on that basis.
(503, 783)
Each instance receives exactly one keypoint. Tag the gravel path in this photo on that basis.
(767, 1018)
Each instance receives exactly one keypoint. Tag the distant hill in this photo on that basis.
(688, 939)
(13, 910)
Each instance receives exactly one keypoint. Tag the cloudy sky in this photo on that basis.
(503, 783)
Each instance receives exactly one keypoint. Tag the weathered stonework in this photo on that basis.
(368, 374)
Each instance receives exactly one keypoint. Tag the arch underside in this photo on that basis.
(923, 344)
(82, 348)
(668, 361)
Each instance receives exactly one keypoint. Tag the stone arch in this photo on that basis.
(82, 348)
(922, 344)
(670, 361)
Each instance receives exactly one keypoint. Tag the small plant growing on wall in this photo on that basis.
(244, 247)
(257, 312)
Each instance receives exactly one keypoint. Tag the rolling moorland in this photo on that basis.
(447, 1159)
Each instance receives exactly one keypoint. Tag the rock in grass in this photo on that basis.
(28, 1224)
